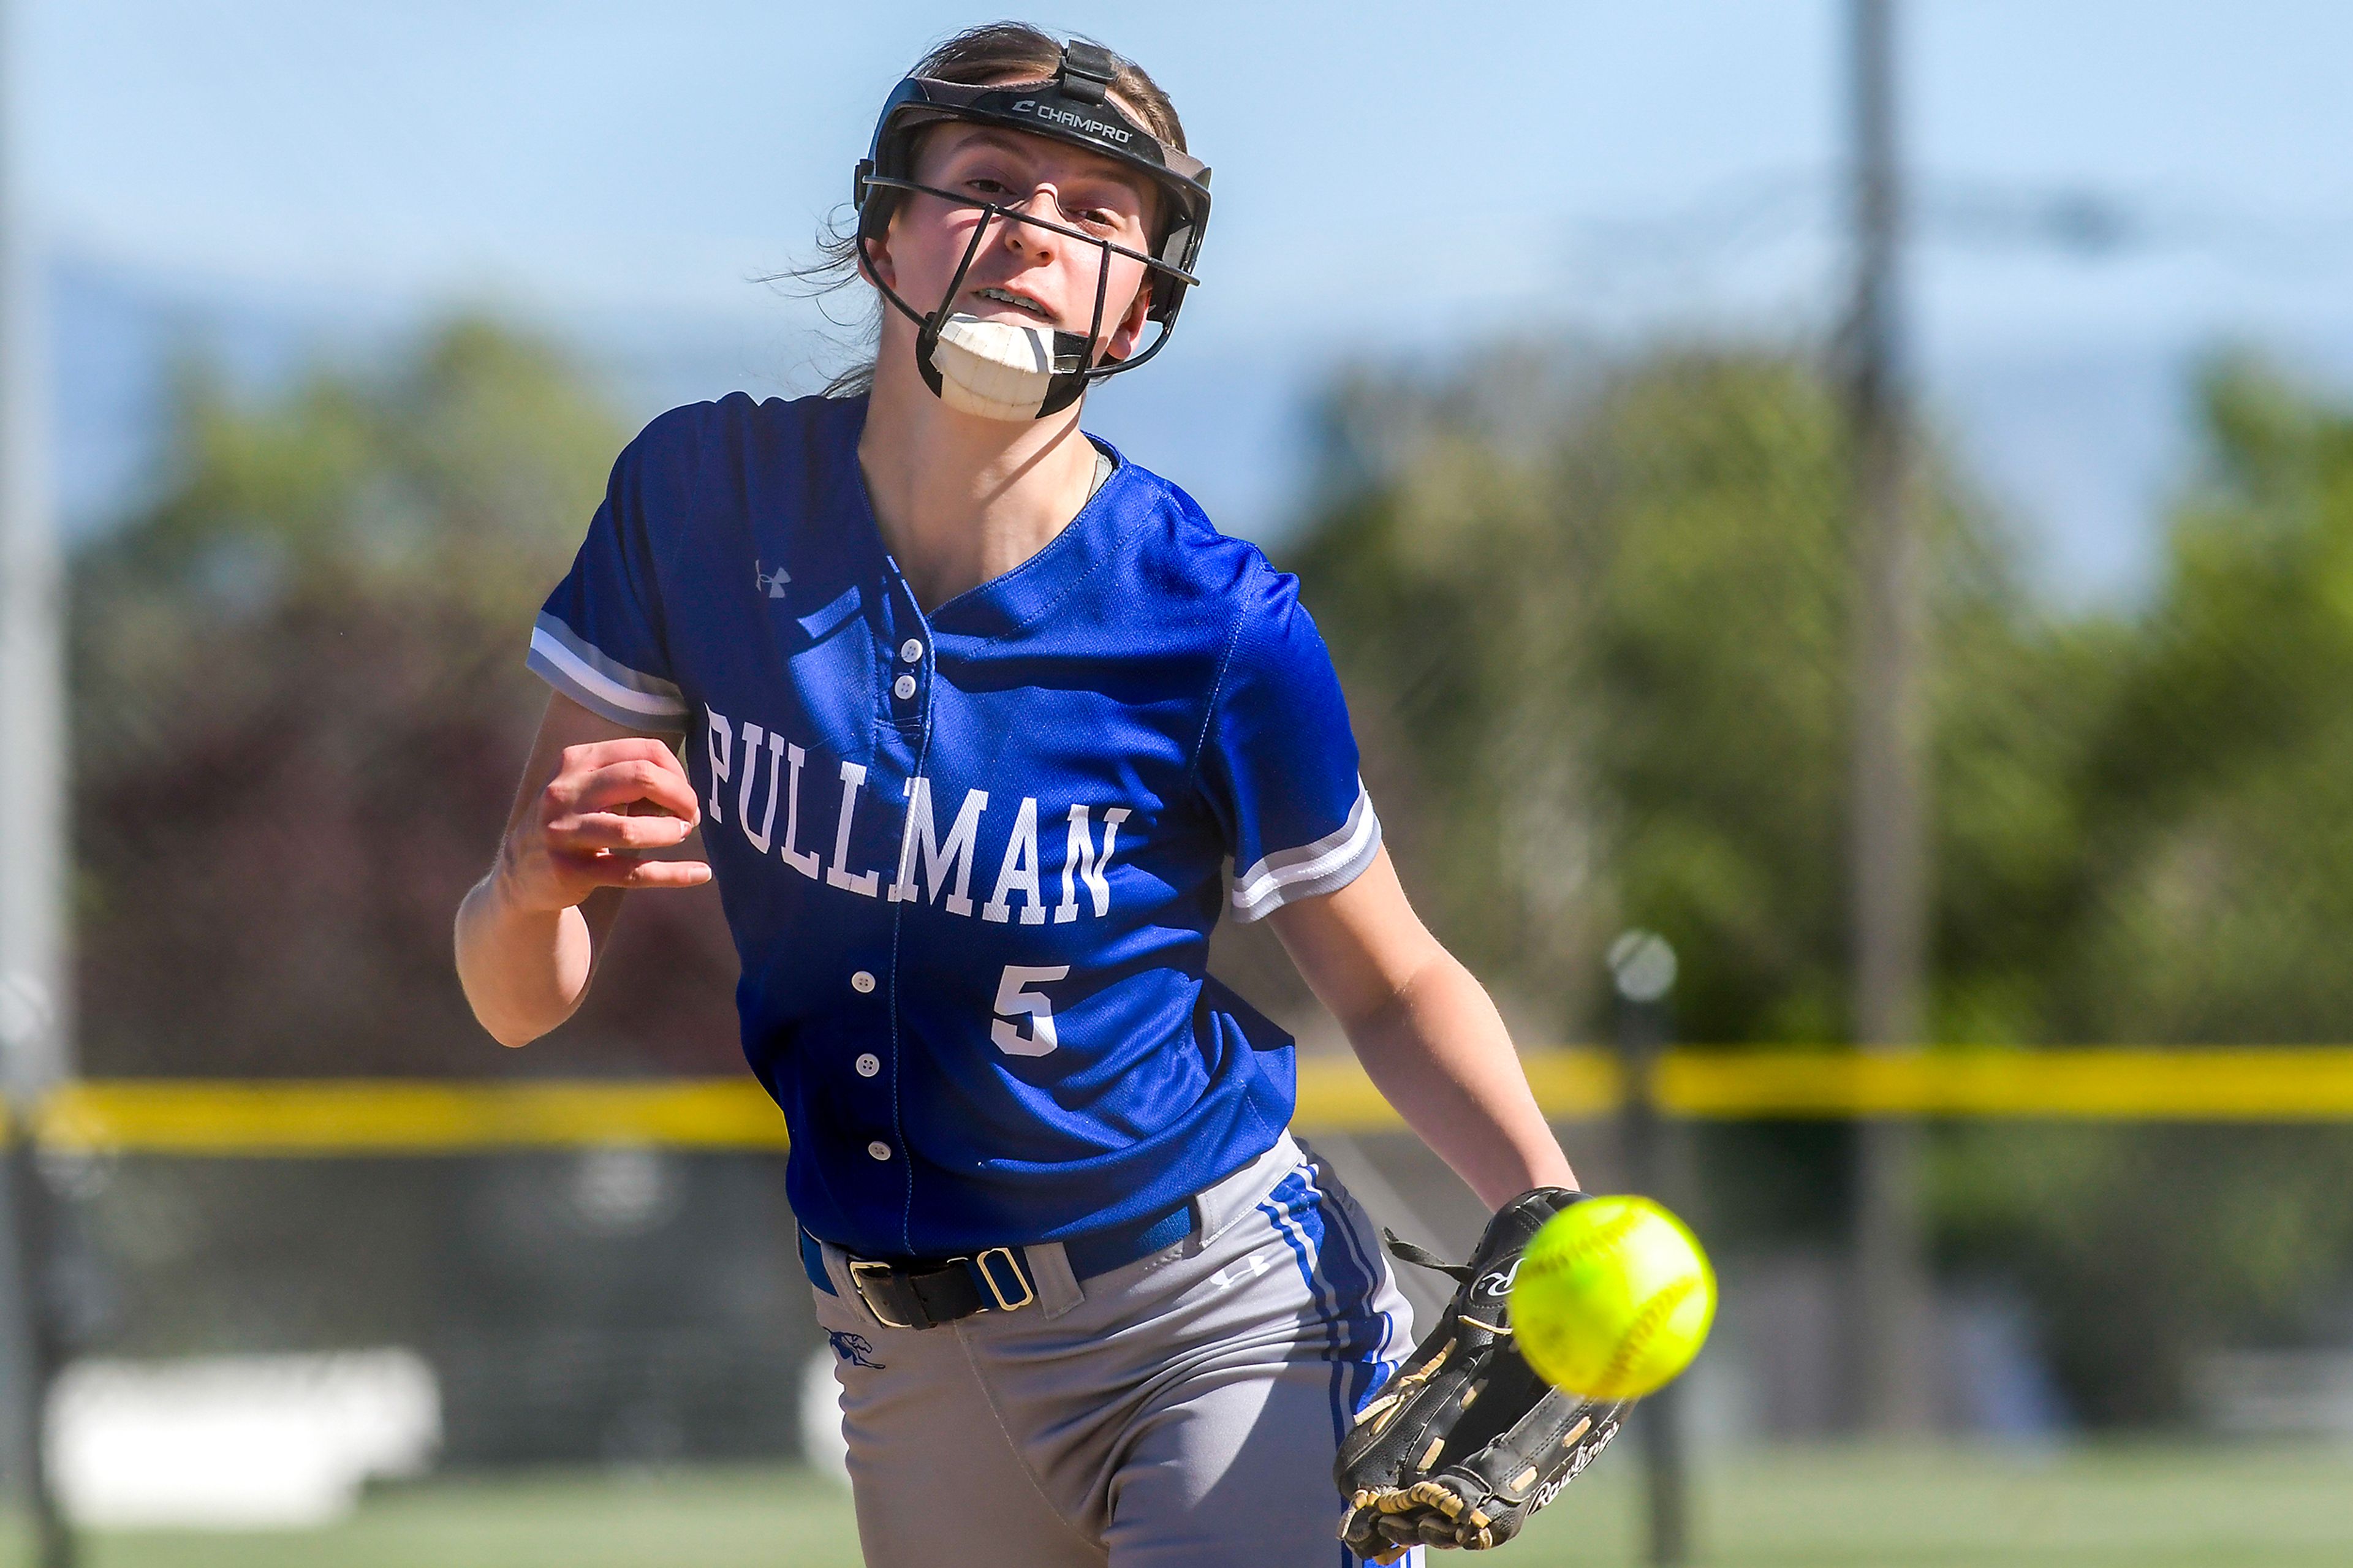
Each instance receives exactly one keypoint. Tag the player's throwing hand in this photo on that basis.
(609, 806)
(528, 933)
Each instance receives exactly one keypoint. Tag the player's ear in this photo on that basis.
(874, 259)
(1124, 338)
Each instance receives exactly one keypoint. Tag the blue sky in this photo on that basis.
(1385, 174)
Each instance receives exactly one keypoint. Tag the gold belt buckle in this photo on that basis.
(988, 1278)
(858, 1269)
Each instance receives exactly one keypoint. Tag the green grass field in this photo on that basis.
(2102, 1507)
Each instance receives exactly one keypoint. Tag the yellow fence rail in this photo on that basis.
(392, 1116)
(2311, 1084)
(409, 1117)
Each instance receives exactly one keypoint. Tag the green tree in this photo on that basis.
(1595, 635)
(300, 709)
(2222, 779)
(2210, 902)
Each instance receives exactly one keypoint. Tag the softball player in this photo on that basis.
(974, 710)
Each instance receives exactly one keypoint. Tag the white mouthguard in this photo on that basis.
(999, 370)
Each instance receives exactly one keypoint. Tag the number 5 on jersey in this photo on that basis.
(1014, 999)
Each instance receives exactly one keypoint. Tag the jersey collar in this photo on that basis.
(1004, 604)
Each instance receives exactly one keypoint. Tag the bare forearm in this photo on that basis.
(524, 971)
(1439, 1051)
(596, 805)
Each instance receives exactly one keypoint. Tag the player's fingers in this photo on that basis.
(595, 754)
(666, 874)
(612, 831)
(581, 874)
(625, 781)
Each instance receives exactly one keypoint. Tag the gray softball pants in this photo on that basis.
(1181, 1411)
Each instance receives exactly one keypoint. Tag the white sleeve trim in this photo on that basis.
(601, 684)
(1326, 866)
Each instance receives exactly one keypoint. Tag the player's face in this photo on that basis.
(1025, 272)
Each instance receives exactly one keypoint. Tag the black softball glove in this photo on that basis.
(1466, 1440)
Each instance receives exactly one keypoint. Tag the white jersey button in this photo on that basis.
(861, 982)
(911, 651)
(878, 1149)
(903, 688)
(868, 1065)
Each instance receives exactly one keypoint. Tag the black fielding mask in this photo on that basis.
(1073, 106)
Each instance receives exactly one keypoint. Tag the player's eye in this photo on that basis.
(1099, 218)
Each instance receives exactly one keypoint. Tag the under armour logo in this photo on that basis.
(855, 1349)
(771, 584)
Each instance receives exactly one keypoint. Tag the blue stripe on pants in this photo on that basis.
(1373, 1359)
(1345, 1286)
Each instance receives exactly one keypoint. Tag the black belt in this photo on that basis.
(926, 1296)
(923, 1294)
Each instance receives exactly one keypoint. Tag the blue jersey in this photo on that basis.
(971, 858)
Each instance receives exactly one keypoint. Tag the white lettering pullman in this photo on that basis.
(929, 865)
(916, 841)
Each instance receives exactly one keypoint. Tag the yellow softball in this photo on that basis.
(1613, 1297)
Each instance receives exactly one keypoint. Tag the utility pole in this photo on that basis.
(36, 1014)
(1642, 967)
(1888, 850)
(34, 1033)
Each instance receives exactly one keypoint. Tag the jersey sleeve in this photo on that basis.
(1279, 760)
(600, 639)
